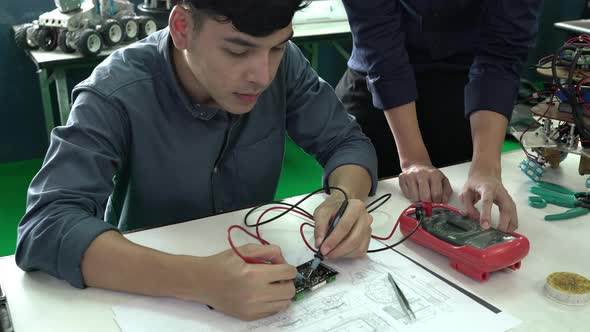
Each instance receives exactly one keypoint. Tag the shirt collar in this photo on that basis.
(196, 110)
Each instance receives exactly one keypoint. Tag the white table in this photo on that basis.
(53, 66)
(42, 303)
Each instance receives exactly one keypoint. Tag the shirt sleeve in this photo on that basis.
(508, 32)
(379, 48)
(67, 198)
(318, 123)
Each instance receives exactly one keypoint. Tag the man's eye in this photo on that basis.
(236, 53)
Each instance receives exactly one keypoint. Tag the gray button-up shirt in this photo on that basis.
(136, 152)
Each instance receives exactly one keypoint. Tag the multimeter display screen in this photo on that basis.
(488, 238)
(459, 230)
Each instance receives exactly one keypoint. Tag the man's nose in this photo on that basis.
(259, 70)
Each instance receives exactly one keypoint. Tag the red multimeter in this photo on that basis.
(472, 250)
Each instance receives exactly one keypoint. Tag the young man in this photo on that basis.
(184, 124)
(441, 78)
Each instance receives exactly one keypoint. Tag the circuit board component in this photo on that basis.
(320, 277)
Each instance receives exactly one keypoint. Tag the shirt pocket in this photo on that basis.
(258, 168)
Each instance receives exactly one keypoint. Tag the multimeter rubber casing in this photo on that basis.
(472, 250)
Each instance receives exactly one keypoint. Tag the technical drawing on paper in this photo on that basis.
(361, 299)
(425, 300)
(367, 302)
(324, 313)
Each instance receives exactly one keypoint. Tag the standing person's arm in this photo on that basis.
(419, 180)
(508, 30)
(380, 42)
(63, 232)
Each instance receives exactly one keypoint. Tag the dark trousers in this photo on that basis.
(440, 110)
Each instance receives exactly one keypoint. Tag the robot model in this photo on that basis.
(562, 112)
(85, 26)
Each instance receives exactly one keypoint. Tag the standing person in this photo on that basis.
(432, 83)
(184, 124)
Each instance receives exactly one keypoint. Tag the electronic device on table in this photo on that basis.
(561, 111)
(320, 277)
(472, 250)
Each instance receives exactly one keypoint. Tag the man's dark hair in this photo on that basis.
(258, 18)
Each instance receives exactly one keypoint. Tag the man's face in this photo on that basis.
(234, 68)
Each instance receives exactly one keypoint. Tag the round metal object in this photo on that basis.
(94, 43)
(568, 288)
(131, 29)
(115, 33)
(150, 27)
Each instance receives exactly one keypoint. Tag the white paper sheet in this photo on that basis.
(361, 299)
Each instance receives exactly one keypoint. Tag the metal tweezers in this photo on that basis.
(402, 299)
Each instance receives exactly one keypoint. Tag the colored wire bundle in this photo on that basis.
(568, 56)
(295, 208)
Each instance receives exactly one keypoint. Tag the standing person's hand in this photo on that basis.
(419, 180)
(484, 181)
(423, 182)
(487, 187)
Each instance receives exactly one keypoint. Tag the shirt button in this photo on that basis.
(216, 170)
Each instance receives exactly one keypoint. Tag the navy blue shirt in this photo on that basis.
(136, 152)
(490, 38)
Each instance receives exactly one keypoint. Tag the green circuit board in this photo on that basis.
(320, 277)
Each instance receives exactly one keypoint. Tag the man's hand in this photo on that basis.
(247, 291)
(351, 236)
(424, 182)
(489, 188)
(485, 180)
(419, 181)
(223, 281)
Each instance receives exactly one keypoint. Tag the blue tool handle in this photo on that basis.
(537, 202)
(555, 198)
(571, 213)
(555, 187)
(562, 202)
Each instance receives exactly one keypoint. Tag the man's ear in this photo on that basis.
(180, 24)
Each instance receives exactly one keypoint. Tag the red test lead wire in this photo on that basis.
(258, 236)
